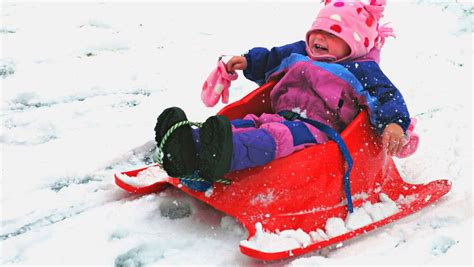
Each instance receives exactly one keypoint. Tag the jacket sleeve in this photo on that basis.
(385, 102)
(261, 61)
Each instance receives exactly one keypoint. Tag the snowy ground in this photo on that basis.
(82, 84)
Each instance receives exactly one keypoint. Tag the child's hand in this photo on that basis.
(392, 138)
(236, 63)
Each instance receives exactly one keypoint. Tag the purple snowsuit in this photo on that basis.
(311, 90)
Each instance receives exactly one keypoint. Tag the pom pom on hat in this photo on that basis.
(376, 8)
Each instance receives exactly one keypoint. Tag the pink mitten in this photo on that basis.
(411, 141)
(217, 85)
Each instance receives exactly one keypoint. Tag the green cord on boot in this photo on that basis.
(159, 152)
(199, 179)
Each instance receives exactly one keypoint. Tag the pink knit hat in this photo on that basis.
(354, 22)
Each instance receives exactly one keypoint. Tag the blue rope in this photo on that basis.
(333, 135)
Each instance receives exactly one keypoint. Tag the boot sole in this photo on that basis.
(179, 153)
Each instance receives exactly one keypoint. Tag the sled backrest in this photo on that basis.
(257, 102)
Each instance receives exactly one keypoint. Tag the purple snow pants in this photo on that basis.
(258, 140)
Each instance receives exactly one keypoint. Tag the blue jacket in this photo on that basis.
(390, 107)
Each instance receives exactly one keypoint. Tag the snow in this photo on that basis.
(274, 242)
(291, 239)
(144, 178)
(83, 83)
(335, 226)
(302, 113)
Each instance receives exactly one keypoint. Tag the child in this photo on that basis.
(326, 78)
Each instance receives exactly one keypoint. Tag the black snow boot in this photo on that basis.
(179, 152)
(216, 141)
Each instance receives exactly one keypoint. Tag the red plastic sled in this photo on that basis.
(303, 190)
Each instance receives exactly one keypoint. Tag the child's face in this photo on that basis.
(323, 43)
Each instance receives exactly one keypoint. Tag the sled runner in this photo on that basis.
(306, 189)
